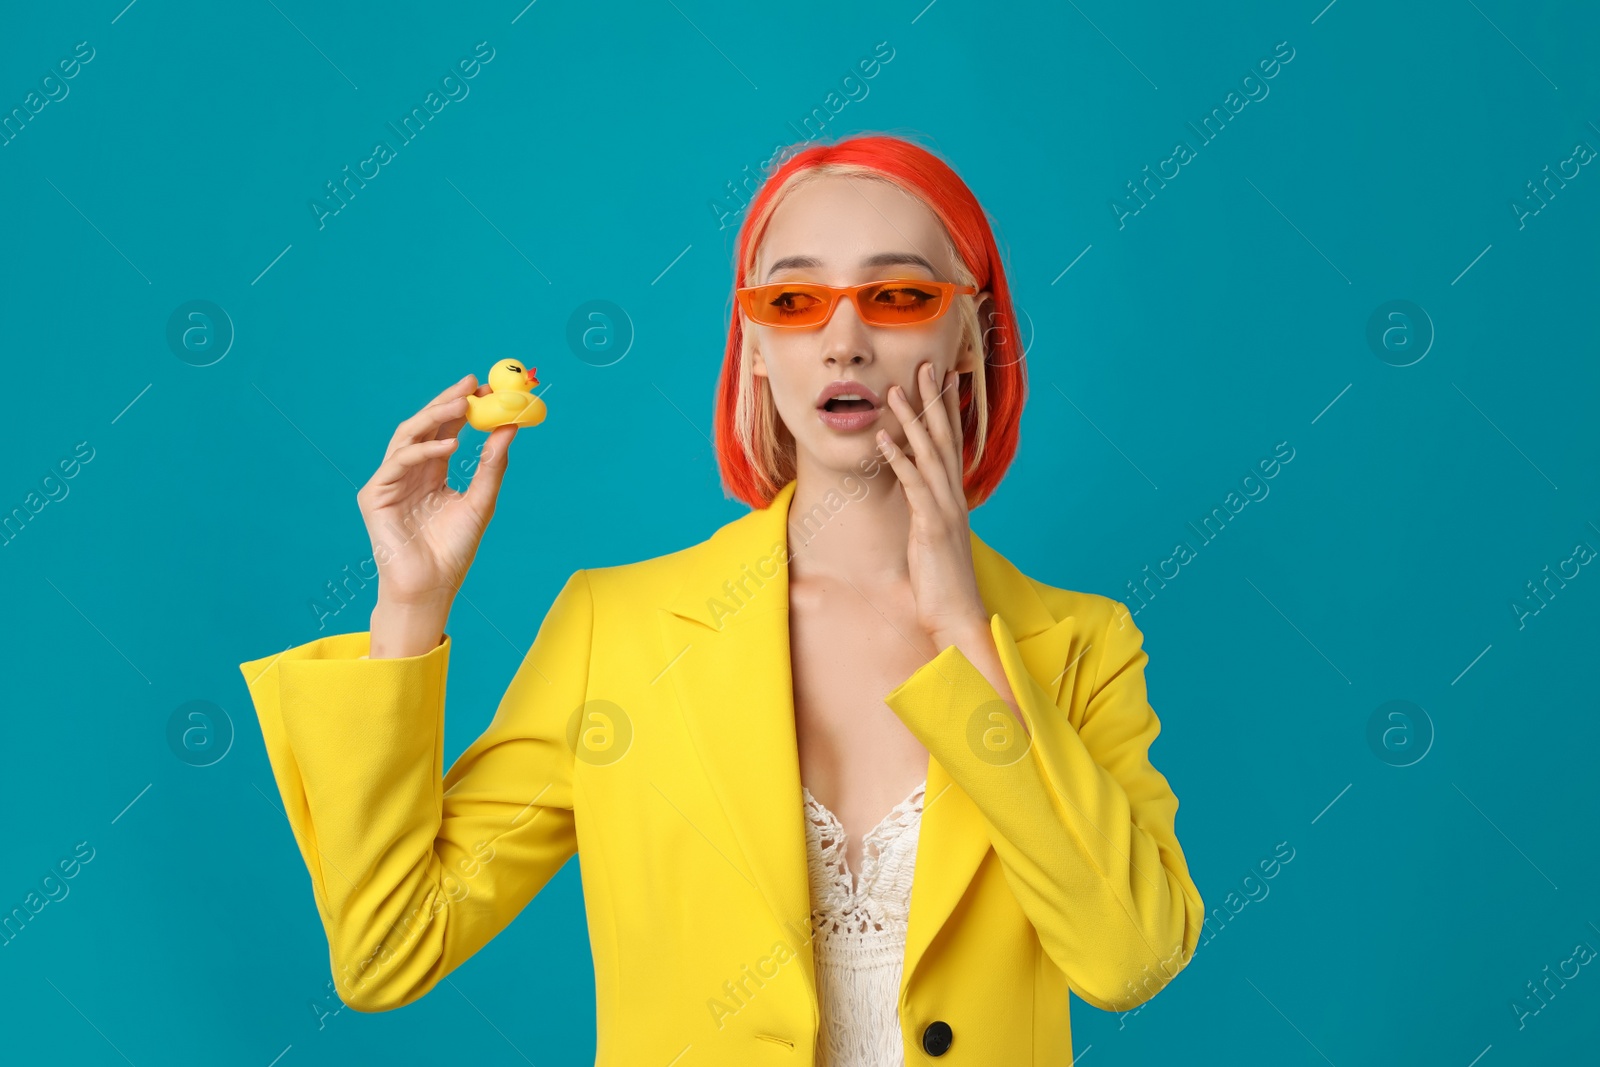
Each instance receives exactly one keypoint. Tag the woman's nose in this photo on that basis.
(845, 338)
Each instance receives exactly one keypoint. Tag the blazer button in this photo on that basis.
(936, 1038)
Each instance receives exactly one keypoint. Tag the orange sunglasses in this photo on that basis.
(902, 302)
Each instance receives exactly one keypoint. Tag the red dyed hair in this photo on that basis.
(754, 450)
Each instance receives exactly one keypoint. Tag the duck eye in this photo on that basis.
(515, 369)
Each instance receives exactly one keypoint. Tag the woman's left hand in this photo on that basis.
(939, 549)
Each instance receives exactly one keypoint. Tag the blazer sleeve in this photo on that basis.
(1082, 823)
(413, 873)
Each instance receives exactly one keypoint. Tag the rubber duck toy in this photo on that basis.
(511, 401)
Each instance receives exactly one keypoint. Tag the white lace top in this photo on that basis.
(859, 932)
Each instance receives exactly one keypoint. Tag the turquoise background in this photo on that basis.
(1229, 315)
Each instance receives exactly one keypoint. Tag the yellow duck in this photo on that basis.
(511, 401)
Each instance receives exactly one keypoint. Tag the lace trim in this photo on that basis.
(859, 931)
(867, 912)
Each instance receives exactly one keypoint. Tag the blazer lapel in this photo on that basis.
(725, 633)
(727, 627)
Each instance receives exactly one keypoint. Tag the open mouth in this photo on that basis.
(848, 406)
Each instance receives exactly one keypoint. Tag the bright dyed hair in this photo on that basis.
(755, 451)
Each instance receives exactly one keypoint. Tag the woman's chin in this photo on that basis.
(842, 454)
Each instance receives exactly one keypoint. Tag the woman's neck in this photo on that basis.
(844, 524)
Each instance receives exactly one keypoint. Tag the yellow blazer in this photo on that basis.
(650, 729)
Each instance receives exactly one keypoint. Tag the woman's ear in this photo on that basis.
(758, 366)
(969, 359)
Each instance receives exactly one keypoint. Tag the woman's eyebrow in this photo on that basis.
(882, 259)
(899, 259)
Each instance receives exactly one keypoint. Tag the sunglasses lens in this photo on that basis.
(888, 303)
(788, 305)
(897, 303)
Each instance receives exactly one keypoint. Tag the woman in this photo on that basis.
(846, 787)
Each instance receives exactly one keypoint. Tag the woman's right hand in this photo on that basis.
(425, 534)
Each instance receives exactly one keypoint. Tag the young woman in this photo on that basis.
(846, 787)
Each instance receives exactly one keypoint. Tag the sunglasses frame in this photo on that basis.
(749, 295)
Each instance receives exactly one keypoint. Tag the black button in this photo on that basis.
(936, 1038)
